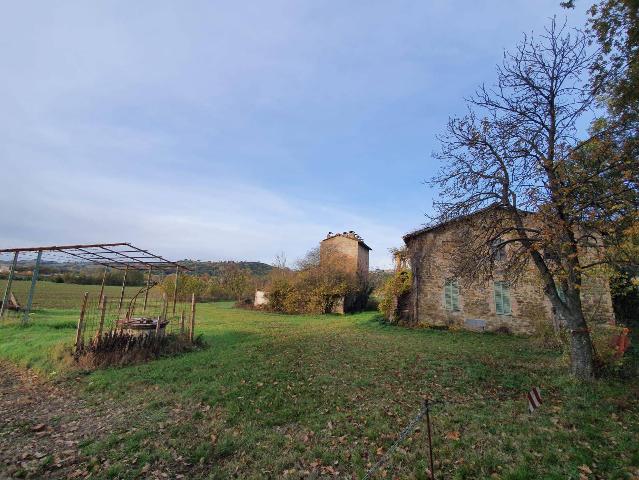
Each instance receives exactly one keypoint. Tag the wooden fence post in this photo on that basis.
(126, 271)
(106, 269)
(182, 322)
(175, 291)
(162, 316)
(146, 293)
(78, 334)
(192, 326)
(102, 313)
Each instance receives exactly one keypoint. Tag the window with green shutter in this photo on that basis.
(451, 295)
(502, 298)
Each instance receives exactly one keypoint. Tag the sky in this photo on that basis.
(237, 130)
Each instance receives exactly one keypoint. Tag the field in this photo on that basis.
(275, 396)
(61, 295)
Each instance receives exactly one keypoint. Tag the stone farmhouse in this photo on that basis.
(439, 299)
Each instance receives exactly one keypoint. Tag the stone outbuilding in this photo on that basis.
(352, 251)
(438, 299)
(349, 252)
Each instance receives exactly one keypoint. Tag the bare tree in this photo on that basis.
(518, 151)
(280, 261)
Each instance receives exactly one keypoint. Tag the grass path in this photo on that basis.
(324, 396)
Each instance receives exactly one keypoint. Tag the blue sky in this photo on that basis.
(236, 130)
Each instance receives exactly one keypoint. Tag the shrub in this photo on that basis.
(313, 290)
(317, 287)
(610, 343)
(392, 291)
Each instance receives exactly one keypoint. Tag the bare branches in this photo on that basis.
(517, 151)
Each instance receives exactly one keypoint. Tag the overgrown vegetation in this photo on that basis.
(392, 293)
(118, 348)
(316, 287)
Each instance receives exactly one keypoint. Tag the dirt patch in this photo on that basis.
(42, 426)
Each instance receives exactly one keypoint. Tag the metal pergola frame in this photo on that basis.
(120, 256)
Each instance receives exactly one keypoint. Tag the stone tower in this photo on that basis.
(350, 251)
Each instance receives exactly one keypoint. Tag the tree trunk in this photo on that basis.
(581, 351)
(582, 361)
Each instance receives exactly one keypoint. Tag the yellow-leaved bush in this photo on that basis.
(392, 291)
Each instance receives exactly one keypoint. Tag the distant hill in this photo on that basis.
(213, 269)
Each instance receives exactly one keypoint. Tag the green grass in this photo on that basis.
(61, 295)
(274, 396)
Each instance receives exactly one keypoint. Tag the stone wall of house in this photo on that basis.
(596, 299)
(432, 256)
(362, 262)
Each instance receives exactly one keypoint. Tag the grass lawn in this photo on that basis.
(277, 396)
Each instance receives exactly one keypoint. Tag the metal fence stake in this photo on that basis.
(430, 440)
(408, 430)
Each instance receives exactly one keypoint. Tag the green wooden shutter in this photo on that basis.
(455, 295)
(451, 295)
(505, 294)
(499, 305)
(502, 298)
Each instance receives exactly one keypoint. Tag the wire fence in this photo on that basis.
(408, 430)
(157, 315)
(125, 330)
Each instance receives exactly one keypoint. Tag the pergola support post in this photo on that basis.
(7, 290)
(34, 281)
